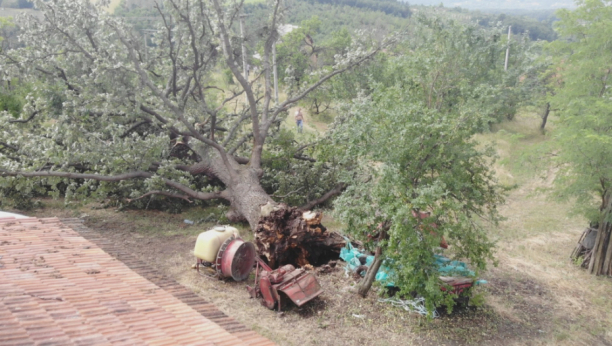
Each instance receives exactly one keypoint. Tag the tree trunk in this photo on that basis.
(366, 282)
(545, 117)
(601, 259)
(242, 185)
(247, 196)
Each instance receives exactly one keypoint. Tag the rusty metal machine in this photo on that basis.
(229, 255)
(277, 287)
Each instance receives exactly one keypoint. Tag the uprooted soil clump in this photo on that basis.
(287, 235)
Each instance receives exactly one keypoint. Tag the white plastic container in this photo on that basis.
(208, 243)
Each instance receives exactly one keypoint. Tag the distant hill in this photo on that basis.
(499, 4)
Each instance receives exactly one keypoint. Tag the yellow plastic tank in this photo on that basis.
(208, 243)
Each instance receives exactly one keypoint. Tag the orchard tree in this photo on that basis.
(109, 112)
(583, 101)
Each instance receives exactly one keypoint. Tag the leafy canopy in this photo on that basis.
(583, 100)
(413, 158)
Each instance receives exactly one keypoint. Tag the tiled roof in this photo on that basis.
(59, 288)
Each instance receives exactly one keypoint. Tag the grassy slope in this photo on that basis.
(536, 240)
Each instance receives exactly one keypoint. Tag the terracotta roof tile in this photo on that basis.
(60, 288)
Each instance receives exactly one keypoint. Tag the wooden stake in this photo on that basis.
(508, 49)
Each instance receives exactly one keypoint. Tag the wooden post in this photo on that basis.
(275, 73)
(144, 35)
(508, 49)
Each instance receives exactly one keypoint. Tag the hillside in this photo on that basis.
(498, 4)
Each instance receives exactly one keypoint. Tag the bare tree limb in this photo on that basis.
(304, 158)
(241, 142)
(197, 194)
(234, 128)
(72, 175)
(288, 194)
(119, 177)
(164, 193)
(227, 51)
(331, 193)
(302, 147)
(134, 127)
(9, 146)
(25, 120)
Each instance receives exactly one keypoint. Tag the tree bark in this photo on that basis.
(601, 260)
(331, 193)
(247, 196)
(366, 282)
(545, 117)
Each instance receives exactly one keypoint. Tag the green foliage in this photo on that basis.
(11, 103)
(536, 29)
(296, 182)
(296, 55)
(414, 158)
(392, 7)
(228, 76)
(334, 17)
(583, 100)
(450, 66)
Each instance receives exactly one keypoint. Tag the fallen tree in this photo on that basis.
(110, 109)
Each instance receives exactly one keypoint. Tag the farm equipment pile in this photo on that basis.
(296, 284)
(222, 250)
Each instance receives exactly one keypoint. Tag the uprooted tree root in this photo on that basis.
(287, 235)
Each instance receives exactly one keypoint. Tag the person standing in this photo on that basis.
(299, 120)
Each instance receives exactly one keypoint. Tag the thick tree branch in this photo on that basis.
(134, 127)
(197, 194)
(227, 51)
(241, 142)
(25, 120)
(234, 128)
(304, 158)
(270, 41)
(119, 177)
(163, 193)
(72, 175)
(9, 146)
(331, 193)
